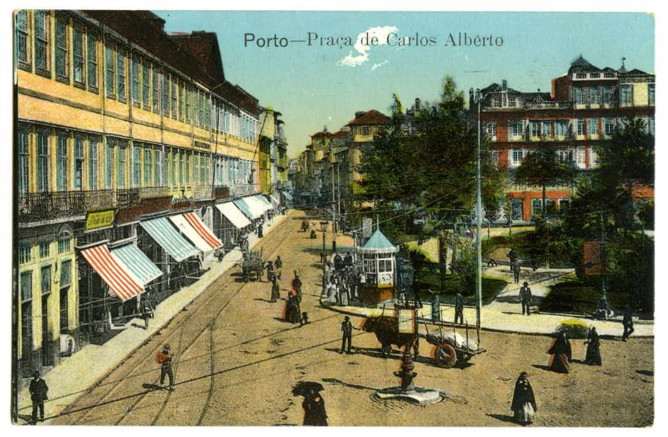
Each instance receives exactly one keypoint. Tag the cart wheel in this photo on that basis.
(386, 349)
(445, 356)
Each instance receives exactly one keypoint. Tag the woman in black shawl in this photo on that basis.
(593, 356)
(314, 409)
(275, 290)
(524, 403)
(560, 354)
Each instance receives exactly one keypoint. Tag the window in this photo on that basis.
(64, 244)
(188, 99)
(66, 273)
(577, 95)
(164, 86)
(43, 161)
(625, 95)
(515, 128)
(517, 156)
(24, 252)
(62, 49)
(91, 52)
(609, 75)
(62, 164)
(650, 94)
(136, 166)
(594, 75)
(148, 166)
(159, 167)
(188, 164)
(547, 128)
(512, 101)
(46, 279)
(565, 155)
(607, 94)
(22, 39)
(609, 126)
(595, 95)
(650, 125)
(174, 96)
(44, 249)
(535, 128)
(581, 152)
(490, 129)
(92, 163)
(26, 286)
(517, 209)
(120, 75)
(581, 126)
(384, 265)
(42, 41)
(156, 90)
(78, 162)
(182, 167)
(121, 159)
(592, 125)
(109, 71)
(24, 159)
(134, 89)
(78, 55)
(536, 207)
(146, 84)
(561, 128)
(580, 75)
(182, 92)
(109, 164)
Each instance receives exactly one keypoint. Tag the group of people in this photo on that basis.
(341, 281)
(561, 353)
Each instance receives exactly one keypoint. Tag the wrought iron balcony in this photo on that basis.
(56, 204)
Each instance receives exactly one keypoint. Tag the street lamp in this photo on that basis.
(477, 97)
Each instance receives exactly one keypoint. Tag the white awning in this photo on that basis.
(190, 233)
(256, 206)
(233, 214)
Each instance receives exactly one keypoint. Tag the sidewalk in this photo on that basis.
(74, 375)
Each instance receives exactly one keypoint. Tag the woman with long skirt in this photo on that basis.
(593, 355)
(560, 354)
(524, 403)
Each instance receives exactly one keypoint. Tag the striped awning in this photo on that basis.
(137, 263)
(121, 282)
(233, 214)
(190, 233)
(166, 235)
(244, 206)
(203, 230)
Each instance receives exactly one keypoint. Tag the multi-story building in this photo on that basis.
(581, 111)
(274, 148)
(117, 123)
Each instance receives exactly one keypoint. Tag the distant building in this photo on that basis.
(582, 110)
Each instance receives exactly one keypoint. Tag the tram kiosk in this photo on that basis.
(377, 261)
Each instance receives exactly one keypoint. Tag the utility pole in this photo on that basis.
(333, 212)
(604, 260)
(478, 207)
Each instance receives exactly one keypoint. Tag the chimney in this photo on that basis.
(504, 84)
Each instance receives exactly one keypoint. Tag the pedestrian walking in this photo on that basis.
(278, 264)
(164, 358)
(627, 322)
(512, 256)
(347, 335)
(593, 342)
(525, 298)
(459, 308)
(560, 354)
(315, 413)
(338, 262)
(297, 283)
(524, 402)
(275, 290)
(38, 394)
(146, 312)
(516, 270)
(348, 260)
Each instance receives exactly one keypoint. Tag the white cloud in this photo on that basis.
(361, 45)
(375, 66)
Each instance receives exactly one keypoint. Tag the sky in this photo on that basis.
(325, 82)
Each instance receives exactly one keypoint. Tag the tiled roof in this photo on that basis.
(369, 118)
(581, 64)
(204, 46)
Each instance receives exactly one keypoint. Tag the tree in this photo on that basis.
(425, 165)
(543, 168)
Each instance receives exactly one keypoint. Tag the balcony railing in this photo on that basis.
(56, 204)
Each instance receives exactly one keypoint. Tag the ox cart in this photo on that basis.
(251, 266)
(401, 328)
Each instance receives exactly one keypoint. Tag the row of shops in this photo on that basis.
(128, 259)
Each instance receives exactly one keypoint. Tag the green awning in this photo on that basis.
(137, 262)
(166, 235)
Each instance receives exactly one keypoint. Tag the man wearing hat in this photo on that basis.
(347, 330)
(164, 358)
(525, 298)
(38, 394)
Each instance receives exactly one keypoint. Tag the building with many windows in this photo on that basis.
(582, 110)
(120, 126)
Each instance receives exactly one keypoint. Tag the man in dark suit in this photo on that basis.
(347, 330)
(38, 394)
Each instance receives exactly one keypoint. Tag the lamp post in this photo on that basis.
(478, 209)
(323, 255)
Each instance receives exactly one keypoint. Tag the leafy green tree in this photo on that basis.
(543, 168)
